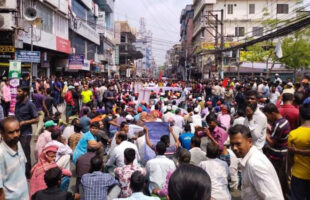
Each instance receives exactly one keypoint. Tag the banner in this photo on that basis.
(15, 69)
(14, 83)
(156, 130)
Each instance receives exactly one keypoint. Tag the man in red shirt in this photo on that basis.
(287, 110)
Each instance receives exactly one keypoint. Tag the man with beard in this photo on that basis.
(109, 98)
(256, 120)
(13, 183)
(25, 112)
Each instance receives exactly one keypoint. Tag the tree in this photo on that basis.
(255, 53)
(296, 51)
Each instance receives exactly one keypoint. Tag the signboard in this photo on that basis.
(28, 56)
(76, 62)
(116, 55)
(7, 49)
(86, 65)
(101, 22)
(15, 69)
(63, 45)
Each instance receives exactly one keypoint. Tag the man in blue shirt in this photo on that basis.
(185, 138)
(81, 147)
(85, 120)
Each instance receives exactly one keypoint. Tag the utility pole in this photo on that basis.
(222, 42)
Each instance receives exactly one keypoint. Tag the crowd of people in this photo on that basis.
(223, 136)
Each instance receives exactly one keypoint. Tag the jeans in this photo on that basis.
(300, 189)
(280, 167)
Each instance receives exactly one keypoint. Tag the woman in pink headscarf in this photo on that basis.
(45, 162)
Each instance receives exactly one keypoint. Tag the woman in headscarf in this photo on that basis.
(45, 162)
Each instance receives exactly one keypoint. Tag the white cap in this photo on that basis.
(276, 74)
(169, 108)
(196, 110)
(129, 117)
(199, 98)
(76, 84)
(290, 84)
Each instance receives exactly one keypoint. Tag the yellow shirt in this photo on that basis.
(86, 96)
(300, 137)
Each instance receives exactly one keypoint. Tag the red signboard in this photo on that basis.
(63, 45)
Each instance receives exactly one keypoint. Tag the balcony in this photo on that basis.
(200, 5)
(106, 5)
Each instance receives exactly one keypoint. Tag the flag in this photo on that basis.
(278, 49)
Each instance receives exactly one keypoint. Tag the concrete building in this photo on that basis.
(172, 63)
(50, 35)
(144, 66)
(186, 34)
(241, 19)
(125, 37)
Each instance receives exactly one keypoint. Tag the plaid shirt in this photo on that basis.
(95, 185)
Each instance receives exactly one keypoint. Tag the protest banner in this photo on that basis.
(156, 130)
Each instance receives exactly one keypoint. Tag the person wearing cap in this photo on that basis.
(44, 137)
(81, 147)
(196, 118)
(168, 114)
(277, 78)
(289, 88)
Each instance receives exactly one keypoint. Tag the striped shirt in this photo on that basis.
(279, 133)
(12, 172)
(95, 185)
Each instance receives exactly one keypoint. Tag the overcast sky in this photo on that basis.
(162, 18)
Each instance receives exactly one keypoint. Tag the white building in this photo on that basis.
(241, 19)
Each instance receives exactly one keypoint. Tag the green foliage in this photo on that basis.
(255, 53)
(296, 51)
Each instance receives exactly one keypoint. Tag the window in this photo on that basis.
(91, 19)
(203, 33)
(239, 31)
(79, 10)
(258, 31)
(61, 26)
(282, 8)
(46, 15)
(91, 50)
(78, 43)
(251, 8)
(123, 39)
(230, 9)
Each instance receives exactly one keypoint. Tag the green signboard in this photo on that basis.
(15, 69)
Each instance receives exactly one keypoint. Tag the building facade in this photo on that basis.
(125, 37)
(241, 20)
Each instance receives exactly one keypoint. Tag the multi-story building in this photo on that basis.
(50, 36)
(125, 37)
(173, 62)
(186, 34)
(241, 20)
(144, 45)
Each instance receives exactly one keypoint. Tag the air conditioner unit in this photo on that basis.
(96, 10)
(6, 21)
(8, 4)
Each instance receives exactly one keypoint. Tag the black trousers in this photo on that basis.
(6, 107)
(25, 140)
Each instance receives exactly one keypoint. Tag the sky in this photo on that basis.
(162, 17)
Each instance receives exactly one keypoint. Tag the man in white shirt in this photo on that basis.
(64, 152)
(116, 156)
(178, 119)
(168, 114)
(197, 120)
(158, 168)
(197, 155)
(218, 172)
(257, 121)
(259, 178)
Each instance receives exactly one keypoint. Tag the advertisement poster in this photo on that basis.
(14, 83)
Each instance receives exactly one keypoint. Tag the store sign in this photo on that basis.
(15, 69)
(63, 45)
(101, 22)
(28, 56)
(85, 30)
(76, 62)
(7, 49)
(117, 55)
(86, 65)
